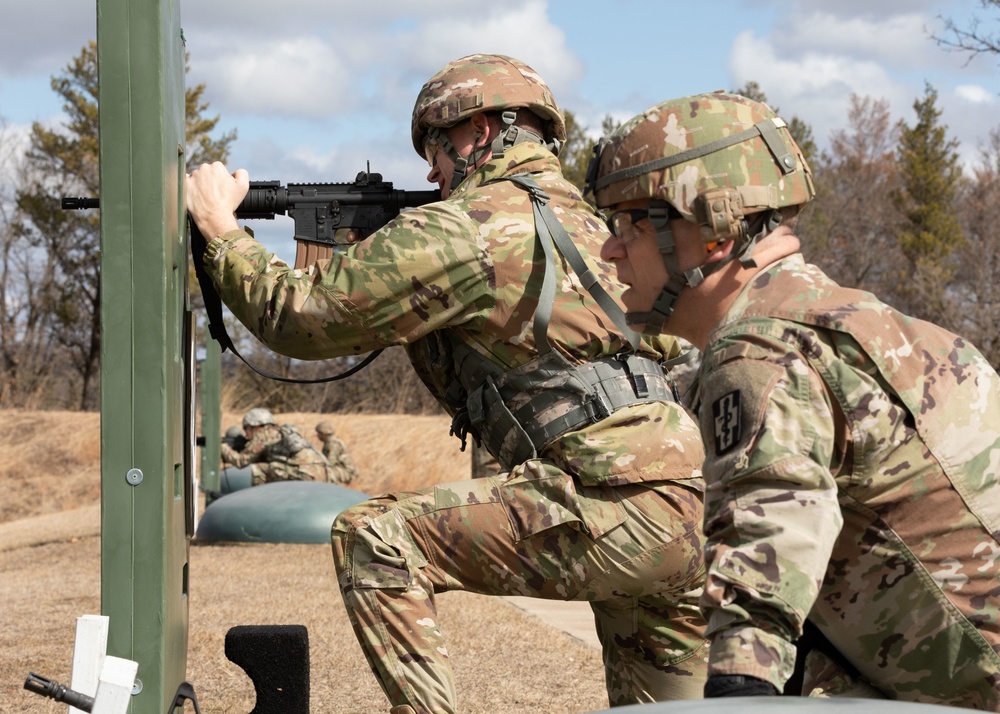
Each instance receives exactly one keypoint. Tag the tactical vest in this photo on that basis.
(291, 443)
(516, 413)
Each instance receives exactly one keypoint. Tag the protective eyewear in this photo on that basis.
(622, 224)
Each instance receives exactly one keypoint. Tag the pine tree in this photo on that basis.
(578, 149)
(931, 173)
(64, 161)
(931, 233)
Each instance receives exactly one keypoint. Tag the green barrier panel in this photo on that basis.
(209, 394)
(147, 360)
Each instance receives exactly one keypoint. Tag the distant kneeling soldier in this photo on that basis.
(342, 468)
(275, 453)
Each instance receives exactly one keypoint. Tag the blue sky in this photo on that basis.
(321, 90)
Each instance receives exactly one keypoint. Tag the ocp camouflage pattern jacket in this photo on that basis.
(852, 468)
(470, 265)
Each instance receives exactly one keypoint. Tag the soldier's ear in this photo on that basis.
(481, 125)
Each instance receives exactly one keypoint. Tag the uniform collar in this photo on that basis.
(527, 157)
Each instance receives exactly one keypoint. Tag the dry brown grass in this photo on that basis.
(51, 461)
(505, 661)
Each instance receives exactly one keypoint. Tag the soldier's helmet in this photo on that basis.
(324, 428)
(482, 83)
(716, 158)
(258, 416)
(234, 432)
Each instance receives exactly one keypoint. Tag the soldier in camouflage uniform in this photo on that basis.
(853, 452)
(272, 455)
(600, 499)
(342, 469)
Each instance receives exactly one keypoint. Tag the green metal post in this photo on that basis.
(146, 356)
(209, 391)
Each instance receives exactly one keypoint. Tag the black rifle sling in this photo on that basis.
(217, 328)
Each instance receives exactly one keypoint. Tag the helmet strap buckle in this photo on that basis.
(510, 135)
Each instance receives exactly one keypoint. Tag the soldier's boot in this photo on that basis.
(402, 709)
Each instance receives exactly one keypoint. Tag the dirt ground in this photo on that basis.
(505, 660)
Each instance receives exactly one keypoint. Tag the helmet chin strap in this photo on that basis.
(651, 322)
(508, 136)
(464, 165)
(440, 136)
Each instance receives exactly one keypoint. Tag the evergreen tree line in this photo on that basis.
(895, 214)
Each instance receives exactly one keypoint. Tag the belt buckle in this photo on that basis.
(597, 407)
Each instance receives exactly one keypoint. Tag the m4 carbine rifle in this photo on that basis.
(321, 211)
(326, 215)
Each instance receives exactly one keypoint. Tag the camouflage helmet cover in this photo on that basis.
(702, 154)
(234, 432)
(482, 83)
(258, 416)
(324, 428)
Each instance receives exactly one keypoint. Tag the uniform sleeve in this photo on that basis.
(422, 271)
(771, 508)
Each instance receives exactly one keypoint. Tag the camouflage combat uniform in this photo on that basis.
(610, 514)
(270, 461)
(342, 468)
(853, 455)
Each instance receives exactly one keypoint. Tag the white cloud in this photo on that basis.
(284, 77)
(873, 10)
(975, 94)
(811, 73)
(42, 37)
(325, 64)
(815, 86)
(500, 29)
(896, 41)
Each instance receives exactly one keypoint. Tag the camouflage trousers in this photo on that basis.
(914, 608)
(271, 471)
(634, 552)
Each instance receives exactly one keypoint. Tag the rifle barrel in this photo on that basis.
(53, 690)
(80, 203)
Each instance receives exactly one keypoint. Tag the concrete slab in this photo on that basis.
(574, 618)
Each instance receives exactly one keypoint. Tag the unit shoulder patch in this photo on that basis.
(727, 418)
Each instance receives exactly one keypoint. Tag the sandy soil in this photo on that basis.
(505, 659)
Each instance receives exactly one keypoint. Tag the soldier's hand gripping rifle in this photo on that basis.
(322, 212)
(326, 215)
